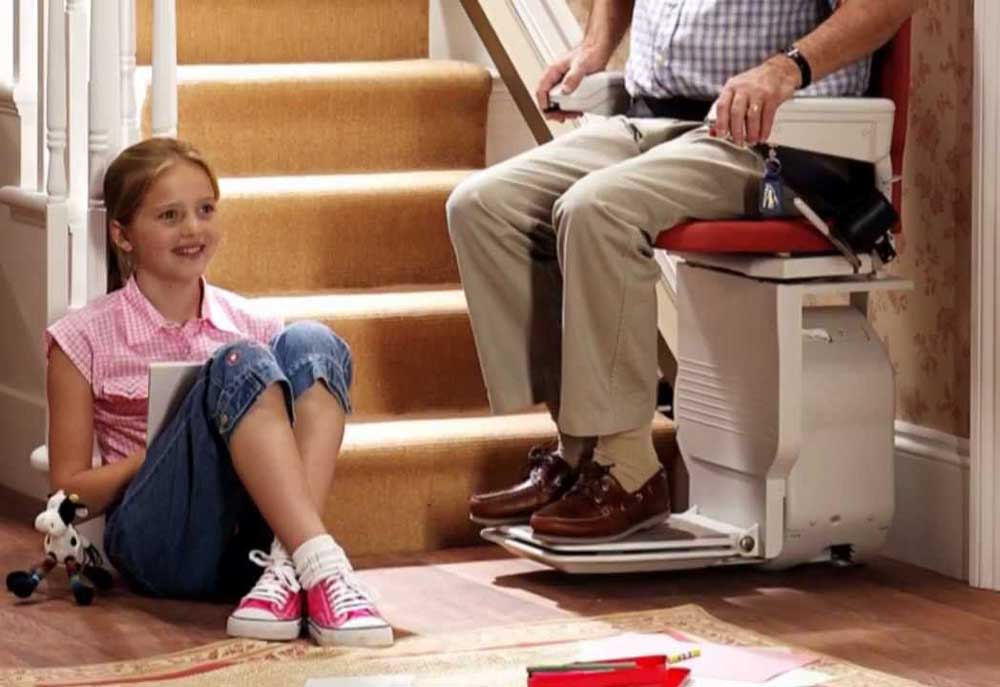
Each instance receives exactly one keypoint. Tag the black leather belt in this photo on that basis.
(674, 108)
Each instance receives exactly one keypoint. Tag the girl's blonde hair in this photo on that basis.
(128, 179)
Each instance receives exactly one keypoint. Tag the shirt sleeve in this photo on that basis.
(74, 342)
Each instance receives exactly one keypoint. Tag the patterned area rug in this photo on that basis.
(492, 657)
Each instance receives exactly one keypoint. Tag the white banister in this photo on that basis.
(105, 85)
(129, 112)
(105, 131)
(77, 152)
(57, 185)
(164, 68)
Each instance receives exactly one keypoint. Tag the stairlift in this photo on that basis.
(785, 413)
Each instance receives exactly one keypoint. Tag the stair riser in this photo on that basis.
(311, 30)
(412, 364)
(415, 499)
(301, 243)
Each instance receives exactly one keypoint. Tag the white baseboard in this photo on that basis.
(22, 426)
(931, 524)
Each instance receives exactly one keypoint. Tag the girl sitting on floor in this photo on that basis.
(252, 447)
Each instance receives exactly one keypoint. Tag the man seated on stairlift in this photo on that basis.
(187, 517)
(554, 247)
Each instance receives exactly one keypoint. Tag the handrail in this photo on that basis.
(512, 32)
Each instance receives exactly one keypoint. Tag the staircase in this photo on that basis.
(337, 142)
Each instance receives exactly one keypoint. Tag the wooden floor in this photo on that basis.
(884, 615)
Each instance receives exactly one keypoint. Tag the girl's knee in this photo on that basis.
(232, 365)
(308, 339)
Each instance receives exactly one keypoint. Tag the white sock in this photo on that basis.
(317, 558)
(631, 456)
(574, 448)
(278, 552)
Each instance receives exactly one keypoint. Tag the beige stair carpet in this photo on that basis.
(298, 234)
(267, 120)
(413, 351)
(234, 31)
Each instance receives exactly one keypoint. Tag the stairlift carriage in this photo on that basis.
(784, 414)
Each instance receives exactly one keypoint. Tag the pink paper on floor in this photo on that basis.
(717, 661)
(746, 664)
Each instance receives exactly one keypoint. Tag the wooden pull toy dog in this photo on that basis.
(64, 545)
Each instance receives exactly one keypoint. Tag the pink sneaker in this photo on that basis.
(341, 611)
(273, 608)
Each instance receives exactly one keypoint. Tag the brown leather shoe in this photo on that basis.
(597, 509)
(548, 478)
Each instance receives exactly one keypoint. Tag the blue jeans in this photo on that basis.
(185, 523)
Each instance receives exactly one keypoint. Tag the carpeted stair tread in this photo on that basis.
(233, 31)
(403, 486)
(413, 350)
(351, 231)
(278, 119)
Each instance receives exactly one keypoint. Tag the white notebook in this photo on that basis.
(169, 383)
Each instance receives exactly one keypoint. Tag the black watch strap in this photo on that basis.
(802, 63)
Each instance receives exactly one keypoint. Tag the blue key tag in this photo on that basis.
(771, 189)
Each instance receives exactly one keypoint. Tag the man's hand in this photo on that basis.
(570, 70)
(746, 107)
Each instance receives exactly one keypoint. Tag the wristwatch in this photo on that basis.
(802, 63)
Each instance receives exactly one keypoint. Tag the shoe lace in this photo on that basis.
(538, 458)
(345, 591)
(591, 481)
(277, 581)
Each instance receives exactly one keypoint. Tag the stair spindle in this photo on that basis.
(164, 68)
(57, 182)
(55, 94)
(105, 131)
(129, 113)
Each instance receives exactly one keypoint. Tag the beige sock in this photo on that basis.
(631, 456)
(574, 448)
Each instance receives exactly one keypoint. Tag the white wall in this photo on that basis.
(6, 40)
(22, 374)
(452, 37)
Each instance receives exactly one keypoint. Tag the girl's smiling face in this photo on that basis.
(173, 235)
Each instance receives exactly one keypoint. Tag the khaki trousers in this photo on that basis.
(554, 249)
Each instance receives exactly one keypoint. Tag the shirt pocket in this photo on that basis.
(125, 396)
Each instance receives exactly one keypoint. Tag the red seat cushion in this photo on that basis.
(744, 236)
(890, 79)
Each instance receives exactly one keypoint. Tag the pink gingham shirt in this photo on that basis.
(113, 339)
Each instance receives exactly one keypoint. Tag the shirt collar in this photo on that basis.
(143, 321)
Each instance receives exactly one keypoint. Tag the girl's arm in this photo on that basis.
(71, 439)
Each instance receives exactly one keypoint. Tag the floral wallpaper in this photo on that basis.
(927, 330)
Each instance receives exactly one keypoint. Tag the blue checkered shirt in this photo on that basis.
(691, 48)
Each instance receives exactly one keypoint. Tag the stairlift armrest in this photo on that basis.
(855, 128)
(600, 93)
